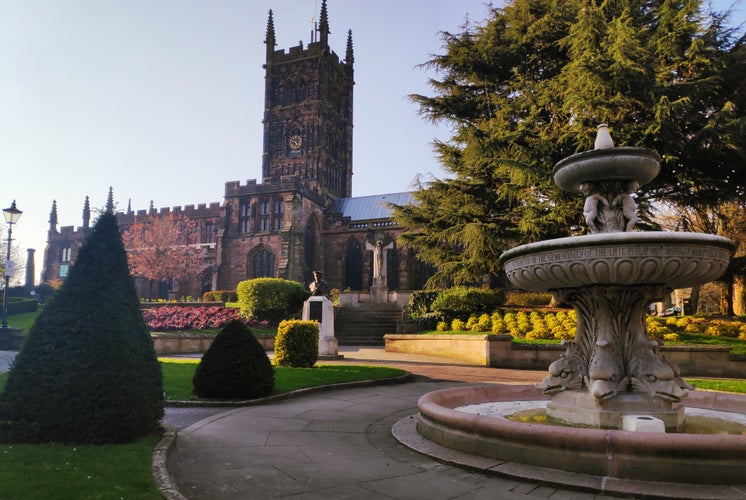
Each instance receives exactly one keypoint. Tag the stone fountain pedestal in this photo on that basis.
(581, 408)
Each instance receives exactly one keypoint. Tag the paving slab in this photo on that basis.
(339, 444)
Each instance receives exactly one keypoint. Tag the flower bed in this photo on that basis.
(173, 318)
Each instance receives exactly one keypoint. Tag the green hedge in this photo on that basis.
(271, 299)
(461, 302)
(529, 298)
(220, 296)
(420, 302)
(297, 344)
(18, 305)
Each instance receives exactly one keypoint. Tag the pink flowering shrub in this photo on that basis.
(170, 318)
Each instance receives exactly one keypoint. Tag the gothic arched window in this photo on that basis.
(301, 90)
(353, 265)
(262, 264)
(309, 254)
(288, 97)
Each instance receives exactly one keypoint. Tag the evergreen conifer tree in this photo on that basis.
(88, 372)
(528, 88)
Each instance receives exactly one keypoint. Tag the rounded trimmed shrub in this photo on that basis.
(271, 299)
(297, 344)
(235, 366)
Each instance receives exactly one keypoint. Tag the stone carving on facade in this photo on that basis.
(380, 258)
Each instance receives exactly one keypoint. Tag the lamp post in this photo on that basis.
(11, 214)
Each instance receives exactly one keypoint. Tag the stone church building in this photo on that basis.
(301, 217)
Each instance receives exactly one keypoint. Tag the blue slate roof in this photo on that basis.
(371, 207)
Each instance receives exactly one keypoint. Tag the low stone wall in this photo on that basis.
(151, 305)
(471, 349)
(174, 343)
(11, 339)
(498, 351)
(355, 299)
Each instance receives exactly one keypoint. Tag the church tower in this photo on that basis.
(274, 227)
(308, 113)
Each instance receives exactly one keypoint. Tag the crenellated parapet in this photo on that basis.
(274, 185)
(201, 211)
(69, 233)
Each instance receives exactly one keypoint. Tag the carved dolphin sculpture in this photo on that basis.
(652, 374)
(565, 373)
(606, 377)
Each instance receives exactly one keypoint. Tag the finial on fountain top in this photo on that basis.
(603, 138)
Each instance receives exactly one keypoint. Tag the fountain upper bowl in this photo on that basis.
(624, 163)
(673, 259)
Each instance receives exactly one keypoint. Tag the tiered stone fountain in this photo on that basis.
(610, 276)
(611, 380)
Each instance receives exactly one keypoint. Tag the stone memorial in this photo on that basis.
(379, 290)
(318, 307)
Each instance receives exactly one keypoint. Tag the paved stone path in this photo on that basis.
(338, 444)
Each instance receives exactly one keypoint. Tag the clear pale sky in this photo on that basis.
(162, 99)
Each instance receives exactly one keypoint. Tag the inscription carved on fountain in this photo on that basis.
(610, 276)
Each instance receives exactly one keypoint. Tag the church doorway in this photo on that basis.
(353, 266)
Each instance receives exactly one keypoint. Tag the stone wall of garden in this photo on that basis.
(497, 351)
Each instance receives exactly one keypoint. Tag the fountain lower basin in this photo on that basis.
(629, 460)
(678, 260)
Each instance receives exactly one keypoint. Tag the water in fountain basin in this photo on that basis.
(698, 420)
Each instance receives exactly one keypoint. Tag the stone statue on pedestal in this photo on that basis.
(380, 258)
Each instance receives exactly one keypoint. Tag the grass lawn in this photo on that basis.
(178, 373)
(23, 320)
(64, 472)
(723, 385)
(737, 346)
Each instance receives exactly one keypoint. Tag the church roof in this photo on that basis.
(371, 207)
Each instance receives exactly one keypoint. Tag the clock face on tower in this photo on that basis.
(295, 142)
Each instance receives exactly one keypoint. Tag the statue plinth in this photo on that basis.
(319, 308)
(379, 292)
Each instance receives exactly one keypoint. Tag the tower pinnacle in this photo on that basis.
(349, 58)
(53, 216)
(270, 38)
(324, 25)
(87, 213)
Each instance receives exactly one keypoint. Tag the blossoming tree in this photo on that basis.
(160, 248)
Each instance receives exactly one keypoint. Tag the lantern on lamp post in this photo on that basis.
(11, 214)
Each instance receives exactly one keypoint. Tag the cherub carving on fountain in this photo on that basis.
(626, 202)
(602, 216)
(591, 208)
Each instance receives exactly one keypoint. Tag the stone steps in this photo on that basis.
(366, 324)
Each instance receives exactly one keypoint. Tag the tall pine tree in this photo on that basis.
(529, 87)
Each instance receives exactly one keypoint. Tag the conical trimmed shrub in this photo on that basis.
(88, 372)
(235, 366)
